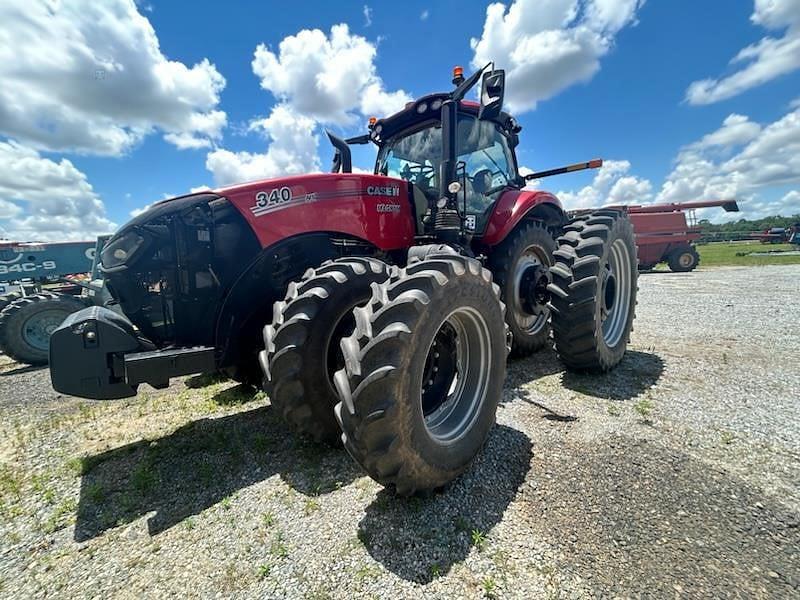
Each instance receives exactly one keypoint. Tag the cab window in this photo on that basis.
(485, 158)
(414, 157)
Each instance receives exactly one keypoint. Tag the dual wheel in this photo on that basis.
(406, 366)
(403, 366)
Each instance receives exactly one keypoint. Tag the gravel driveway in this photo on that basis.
(677, 475)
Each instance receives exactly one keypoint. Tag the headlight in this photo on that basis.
(119, 251)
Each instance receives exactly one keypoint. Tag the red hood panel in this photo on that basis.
(371, 207)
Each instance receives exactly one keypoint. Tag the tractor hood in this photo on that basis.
(374, 208)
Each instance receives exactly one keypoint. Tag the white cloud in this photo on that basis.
(547, 46)
(325, 77)
(375, 101)
(318, 79)
(367, 16)
(292, 150)
(611, 185)
(761, 62)
(90, 77)
(423, 16)
(137, 211)
(41, 199)
(737, 166)
(741, 160)
(792, 200)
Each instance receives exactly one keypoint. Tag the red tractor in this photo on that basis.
(377, 309)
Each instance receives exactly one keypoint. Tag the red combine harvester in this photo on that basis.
(663, 233)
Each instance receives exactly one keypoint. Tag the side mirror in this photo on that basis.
(492, 90)
(342, 158)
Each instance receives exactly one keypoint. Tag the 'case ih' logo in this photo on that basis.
(383, 190)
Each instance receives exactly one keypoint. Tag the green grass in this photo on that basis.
(738, 254)
(489, 587)
(645, 408)
(478, 539)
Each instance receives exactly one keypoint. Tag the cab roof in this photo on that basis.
(428, 108)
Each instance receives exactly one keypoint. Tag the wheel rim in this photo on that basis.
(686, 260)
(615, 296)
(36, 330)
(529, 293)
(455, 377)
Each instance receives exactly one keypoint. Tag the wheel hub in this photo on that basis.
(37, 330)
(533, 289)
(529, 300)
(455, 375)
(440, 369)
(610, 293)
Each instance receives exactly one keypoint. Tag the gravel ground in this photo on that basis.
(674, 476)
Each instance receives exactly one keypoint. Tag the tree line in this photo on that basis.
(743, 225)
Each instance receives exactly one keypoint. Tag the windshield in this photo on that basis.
(414, 157)
(482, 152)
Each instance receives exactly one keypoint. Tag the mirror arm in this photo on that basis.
(592, 164)
(467, 84)
(359, 139)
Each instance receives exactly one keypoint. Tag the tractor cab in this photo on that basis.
(410, 148)
(457, 155)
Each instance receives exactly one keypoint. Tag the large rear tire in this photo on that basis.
(302, 350)
(26, 325)
(683, 259)
(520, 265)
(423, 374)
(593, 293)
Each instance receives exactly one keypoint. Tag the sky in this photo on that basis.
(106, 107)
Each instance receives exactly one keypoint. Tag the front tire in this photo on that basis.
(423, 374)
(26, 325)
(683, 259)
(593, 294)
(302, 349)
(520, 265)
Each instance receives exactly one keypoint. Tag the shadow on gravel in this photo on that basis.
(525, 370)
(22, 369)
(198, 465)
(204, 380)
(422, 538)
(633, 518)
(638, 372)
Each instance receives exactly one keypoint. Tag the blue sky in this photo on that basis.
(138, 101)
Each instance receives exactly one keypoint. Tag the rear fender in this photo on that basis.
(516, 205)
